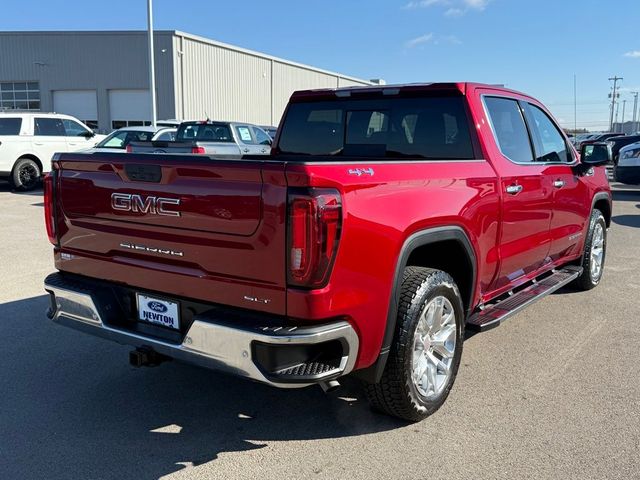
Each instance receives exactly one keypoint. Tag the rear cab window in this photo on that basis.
(205, 132)
(10, 125)
(431, 128)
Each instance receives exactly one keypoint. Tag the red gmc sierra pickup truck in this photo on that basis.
(386, 220)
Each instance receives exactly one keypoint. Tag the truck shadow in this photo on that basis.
(6, 187)
(73, 408)
(627, 220)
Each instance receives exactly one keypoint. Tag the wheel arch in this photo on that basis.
(602, 202)
(30, 156)
(432, 248)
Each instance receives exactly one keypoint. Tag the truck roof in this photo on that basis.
(394, 89)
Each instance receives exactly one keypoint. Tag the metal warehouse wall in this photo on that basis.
(89, 61)
(195, 77)
(229, 83)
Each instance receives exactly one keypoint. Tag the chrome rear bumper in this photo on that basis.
(211, 343)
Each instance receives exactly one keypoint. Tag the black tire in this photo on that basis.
(587, 280)
(396, 393)
(26, 175)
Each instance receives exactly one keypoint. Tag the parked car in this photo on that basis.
(29, 140)
(616, 143)
(627, 170)
(222, 139)
(270, 130)
(602, 137)
(581, 137)
(119, 139)
(381, 226)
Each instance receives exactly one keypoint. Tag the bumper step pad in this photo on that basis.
(494, 313)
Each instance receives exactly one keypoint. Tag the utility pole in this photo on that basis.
(613, 99)
(624, 103)
(635, 109)
(152, 73)
(615, 123)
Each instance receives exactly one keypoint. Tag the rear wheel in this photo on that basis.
(426, 349)
(595, 249)
(25, 175)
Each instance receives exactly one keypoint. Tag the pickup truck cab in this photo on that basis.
(222, 139)
(386, 220)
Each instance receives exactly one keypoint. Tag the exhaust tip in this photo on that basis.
(329, 386)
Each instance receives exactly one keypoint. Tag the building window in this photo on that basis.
(116, 124)
(19, 96)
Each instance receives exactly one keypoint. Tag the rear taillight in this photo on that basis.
(199, 150)
(129, 149)
(314, 224)
(49, 207)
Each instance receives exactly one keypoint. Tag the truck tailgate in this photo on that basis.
(187, 225)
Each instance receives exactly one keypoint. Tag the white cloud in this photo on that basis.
(432, 39)
(454, 12)
(633, 54)
(476, 4)
(414, 42)
(454, 8)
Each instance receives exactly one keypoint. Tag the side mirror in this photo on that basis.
(595, 154)
(88, 134)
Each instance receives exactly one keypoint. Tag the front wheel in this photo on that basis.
(25, 175)
(426, 349)
(595, 249)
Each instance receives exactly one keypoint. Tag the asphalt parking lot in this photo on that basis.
(552, 393)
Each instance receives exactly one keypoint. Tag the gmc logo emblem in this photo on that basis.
(126, 202)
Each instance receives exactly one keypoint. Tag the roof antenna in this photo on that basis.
(207, 115)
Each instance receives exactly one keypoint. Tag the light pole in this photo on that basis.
(624, 103)
(635, 110)
(152, 75)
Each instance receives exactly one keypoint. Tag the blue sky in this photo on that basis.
(533, 46)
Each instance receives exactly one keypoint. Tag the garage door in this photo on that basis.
(82, 104)
(129, 108)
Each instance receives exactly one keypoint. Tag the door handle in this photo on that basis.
(558, 183)
(246, 150)
(514, 189)
(38, 143)
(264, 150)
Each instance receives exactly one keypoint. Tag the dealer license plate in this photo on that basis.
(158, 311)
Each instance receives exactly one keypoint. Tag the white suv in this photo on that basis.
(29, 140)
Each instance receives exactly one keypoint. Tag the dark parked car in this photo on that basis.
(627, 170)
(603, 137)
(617, 143)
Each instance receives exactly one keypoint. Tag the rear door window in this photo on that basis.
(509, 129)
(421, 128)
(244, 134)
(49, 127)
(10, 126)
